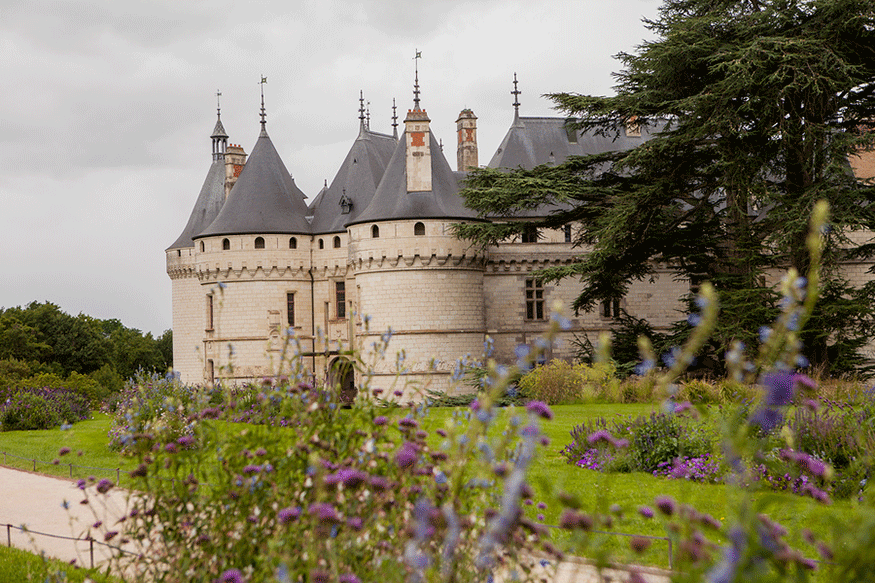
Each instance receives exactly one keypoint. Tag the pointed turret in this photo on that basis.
(212, 195)
(356, 180)
(264, 199)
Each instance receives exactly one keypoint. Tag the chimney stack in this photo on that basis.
(416, 128)
(466, 152)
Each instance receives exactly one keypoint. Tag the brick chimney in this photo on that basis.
(416, 127)
(235, 159)
(466, 151)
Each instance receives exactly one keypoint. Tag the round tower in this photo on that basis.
(253, 265)
(412, 275)
(181, 258)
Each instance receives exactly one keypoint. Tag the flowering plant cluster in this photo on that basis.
(358, 493)
(26, 408)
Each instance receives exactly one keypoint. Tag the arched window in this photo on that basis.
(337, 242)
(259, 242)
(202, 246)
(419, 229)
(179, 252)
(375, 232)
(226, 244)
(293, 243)
(321, 244)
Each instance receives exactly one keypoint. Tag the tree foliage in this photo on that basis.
(756, 106)
(43, 333)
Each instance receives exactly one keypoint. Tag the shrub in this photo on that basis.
(26, 411)
(560, 383)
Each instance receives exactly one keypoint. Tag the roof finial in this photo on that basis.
(394, 120)
(368, 115)
(361, 111)
(218, 104)
(263, 114)
(516, 98)
(416, 83)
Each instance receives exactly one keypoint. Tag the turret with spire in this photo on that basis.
(220, 138)
(417, 132)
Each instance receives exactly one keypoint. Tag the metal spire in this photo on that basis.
(361, 112)
(220, 138)
(218, 103)
(516, 99)
(368, 115)
(394, 120)
(263, 114)
(416, 83)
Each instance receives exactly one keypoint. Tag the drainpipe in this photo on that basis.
(312, 315)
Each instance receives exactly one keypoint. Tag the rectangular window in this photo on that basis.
(567, 229)
(530, 235)
(209, 311)
(611, 308)
(534, 299)
(290, 309)
(340, 298)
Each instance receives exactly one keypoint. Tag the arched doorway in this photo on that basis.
(341, 376)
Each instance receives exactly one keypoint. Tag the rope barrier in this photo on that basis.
(91, 542)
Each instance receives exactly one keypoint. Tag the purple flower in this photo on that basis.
(665, 504)
(380, 420)
(351, 478)
(317, 576)
(251, 469)
(645, 511)
(355, 523)
(64, 451)
(81, 484)
(540, 409)
(231, 576)
(408, 422)
(406, 455)
(379, 483)
(324, 512)
(287, 515)
(348, 578)
(171, 448)
(104, 486)
(779, 388)
(185, 441)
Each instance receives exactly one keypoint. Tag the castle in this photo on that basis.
(374, 251)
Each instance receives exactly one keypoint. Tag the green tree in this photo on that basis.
(756, 107)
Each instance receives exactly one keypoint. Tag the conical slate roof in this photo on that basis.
(264, 199)
(391, 201)
(206, 208)
(357, 180)
(532, 141)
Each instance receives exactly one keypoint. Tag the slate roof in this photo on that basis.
(357, 179)
(206, 208)
(264, 199)
(391, 201)
(531, 141)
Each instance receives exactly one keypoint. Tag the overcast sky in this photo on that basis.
(107, 107)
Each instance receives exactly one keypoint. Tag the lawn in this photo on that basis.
(17, 566)
(549, 474)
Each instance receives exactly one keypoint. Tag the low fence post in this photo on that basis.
(34, 465)
(91, 551)
(9, 535)
(670, 555)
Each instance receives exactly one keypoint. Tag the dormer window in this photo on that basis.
(345, 204)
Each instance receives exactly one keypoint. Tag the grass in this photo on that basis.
(17, 566)
(88, 437)
(549, 474)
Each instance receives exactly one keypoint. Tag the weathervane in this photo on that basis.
(368, 115)
(416, 83)
(394, 120)
(362, 108)
(218, 103)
